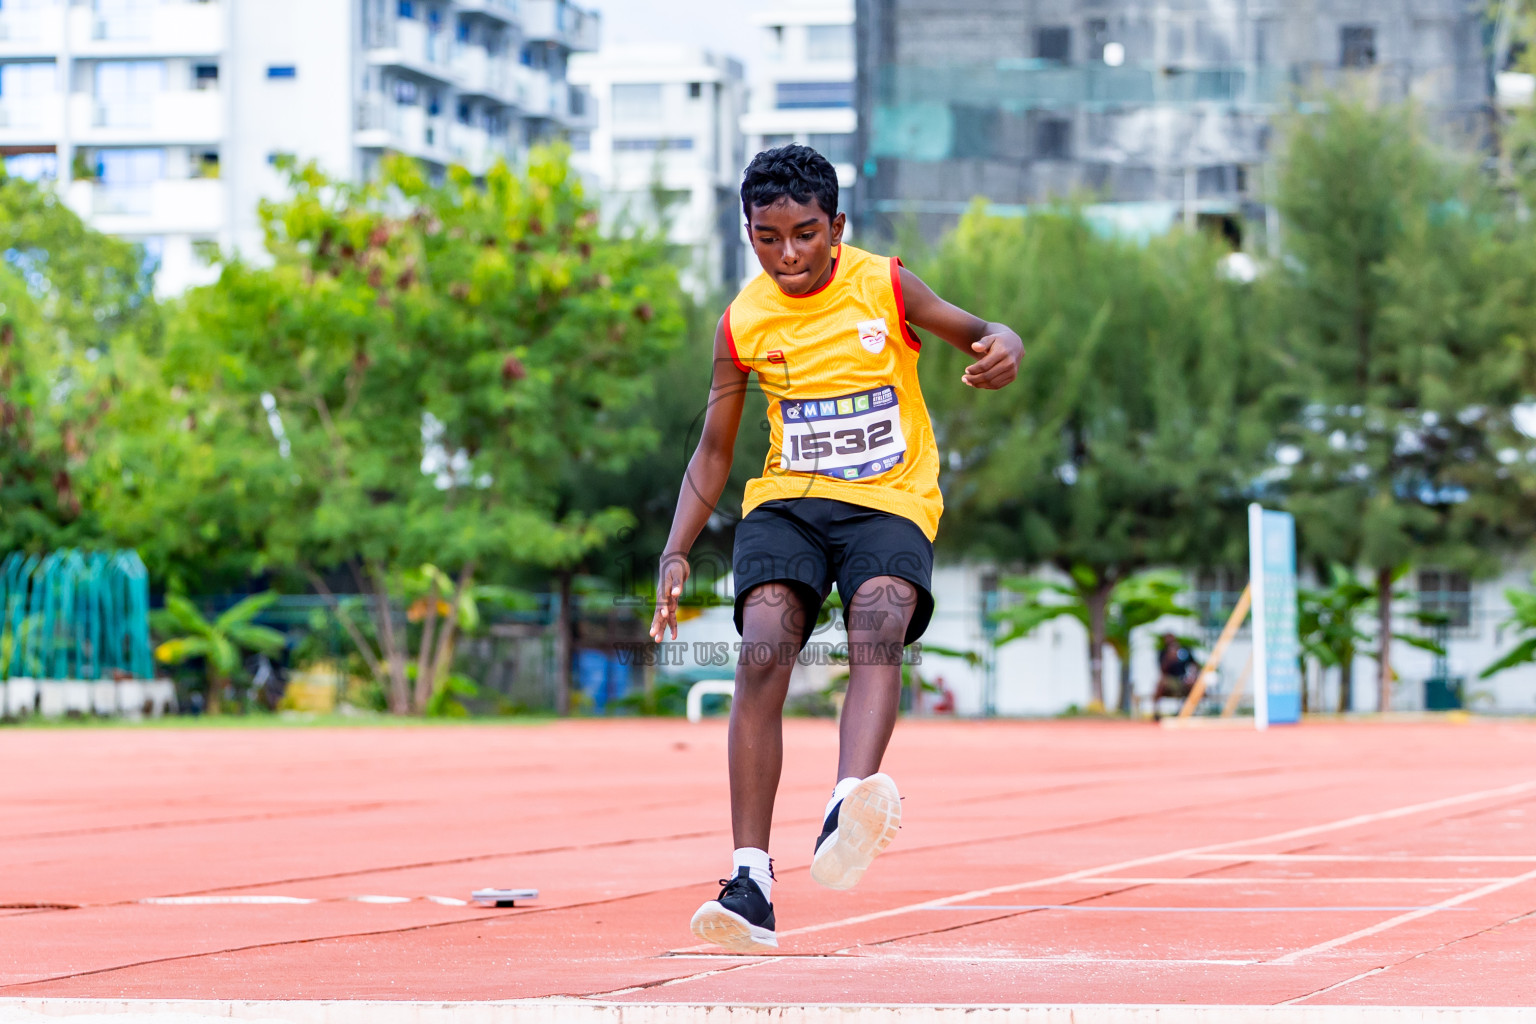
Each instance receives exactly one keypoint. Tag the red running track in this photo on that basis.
(1040, 863)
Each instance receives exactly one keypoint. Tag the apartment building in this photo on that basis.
(162, 121)
(666, 151)
(803, 83)
(1164, 108)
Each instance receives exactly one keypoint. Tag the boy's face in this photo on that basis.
(794, 243)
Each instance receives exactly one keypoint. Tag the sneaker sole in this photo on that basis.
(714, 923)
(866, 825)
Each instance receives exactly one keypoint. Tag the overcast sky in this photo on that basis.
(723, 26)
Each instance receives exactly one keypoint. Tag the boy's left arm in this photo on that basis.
(998, 346)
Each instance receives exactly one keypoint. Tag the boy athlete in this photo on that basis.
(849, 494)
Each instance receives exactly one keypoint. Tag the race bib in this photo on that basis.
(849, 438)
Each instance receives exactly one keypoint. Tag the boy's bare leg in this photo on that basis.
(774, 616)
(877, 619)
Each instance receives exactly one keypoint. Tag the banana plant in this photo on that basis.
(220, 642)
(1522, 606)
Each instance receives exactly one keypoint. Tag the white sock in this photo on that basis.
(842, 789)
(758, 865)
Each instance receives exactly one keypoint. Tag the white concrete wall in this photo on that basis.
(310, 115)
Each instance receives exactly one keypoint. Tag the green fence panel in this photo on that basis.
(74, 615)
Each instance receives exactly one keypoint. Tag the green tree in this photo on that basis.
(76, 313)
(1329, 625)
(220, 642)
(1134, 602)
(1138, 427)
(414, 375)
(1522, 618)
(1398, 310)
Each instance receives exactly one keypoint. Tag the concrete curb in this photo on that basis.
(582, 1011)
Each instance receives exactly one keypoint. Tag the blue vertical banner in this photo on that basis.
(1276, 646)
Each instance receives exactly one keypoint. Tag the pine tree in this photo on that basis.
(1401, 308)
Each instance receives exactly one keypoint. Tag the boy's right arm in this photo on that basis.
(708, 471)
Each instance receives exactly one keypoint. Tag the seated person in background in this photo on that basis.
(1177, 670)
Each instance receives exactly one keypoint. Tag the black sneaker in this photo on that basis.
(858, 829)
(740, 918)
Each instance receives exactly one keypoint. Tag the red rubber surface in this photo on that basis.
(623, 826)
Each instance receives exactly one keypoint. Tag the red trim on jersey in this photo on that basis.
(730, 341)
(901, 306)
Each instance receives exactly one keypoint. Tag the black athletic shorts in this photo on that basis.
(810, 543)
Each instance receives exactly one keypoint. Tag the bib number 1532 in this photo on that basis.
(849, 438)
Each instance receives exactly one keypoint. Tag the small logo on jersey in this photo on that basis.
(829, 408)
(861, 404)
(872, 335)
(791, 412)
(844, 406)
(851, 474)
(776, 355)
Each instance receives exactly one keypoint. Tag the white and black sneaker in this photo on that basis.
(740, 919)
(859, 827)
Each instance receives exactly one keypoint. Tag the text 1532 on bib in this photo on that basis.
(853, 437)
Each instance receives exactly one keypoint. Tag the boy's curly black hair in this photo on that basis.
(793, 170)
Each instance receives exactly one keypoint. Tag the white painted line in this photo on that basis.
(1414, 915)
(1404, 880)
(211, 901)
(1096, 909)
(1363, 858)
(1163, 858)
(598, 1011)
(201, 901)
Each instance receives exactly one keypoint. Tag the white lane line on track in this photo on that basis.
(1365, 858)
(215, 901)
(1395, 880)
(1083, 908)
(1163, 858)
(1414, 915)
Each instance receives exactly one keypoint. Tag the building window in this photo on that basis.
(282, 71)
(1357, 45)
(405, 92)
(837, 148)
(636, 103)
(1446, 593)
(406, 8)
(464, 113)
(1054, 44)
(1053, 139)
(829, 42)
(1098, 36)
(652, 145)
(695, 90)
(205, 164)
(1216, 594)
(813, 95)
(1220, 180)
(205, 76)
(581, 142)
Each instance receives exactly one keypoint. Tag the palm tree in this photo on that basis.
(220, 642)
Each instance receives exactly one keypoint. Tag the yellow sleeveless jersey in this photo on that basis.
(839, 367)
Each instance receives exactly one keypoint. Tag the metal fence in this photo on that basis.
(74, 615)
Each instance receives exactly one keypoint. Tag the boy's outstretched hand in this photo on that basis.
(674, 573)
(999, 362)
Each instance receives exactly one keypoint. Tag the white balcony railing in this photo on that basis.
(168, 28)
(561, 22)
(33, 118)
(188, 206)
(186, 116)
